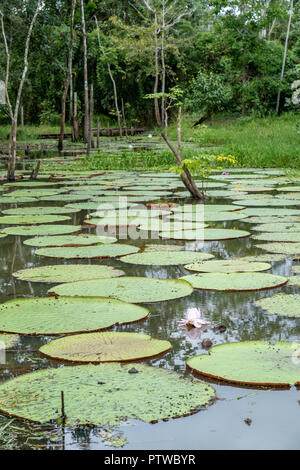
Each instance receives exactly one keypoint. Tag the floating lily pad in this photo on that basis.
(278, 227)
(281, 304)
(278, 237)
(3, 235)
(8, 341)
(35, 192)
(227, 266)
(294, 281)
(293, 189)
(67, 273)
(266, 258)
(272, 220)
(266, 212)
(250, 363)
(16, 200)
(41, 230)
(296, 269)
(206, 234)
(50, 316)
(69, 240)
(88, 252)
(32, 219)
(31, 184)
(234, 282)
(65, 197)
(159, 248)
(284, 248)
(272, 202)
(210, 216)
(129, 289)
(40, 210)
(164, 258)
(206, 207)
(103, 394)
(105, 347)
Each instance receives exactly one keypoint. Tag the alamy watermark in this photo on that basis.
(129, 220)
(2, 92)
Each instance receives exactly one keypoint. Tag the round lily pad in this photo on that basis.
(16, 200)
(281, 304)
(158, 247)
(206, 234)
(32, 219)
(40, 211)
(88, 252)
(67, 273)
(37, 230)
(50, 316)
(227, 266)
(296, 269)
(250, 363)
(265, 258)
(234, 282)
(69, 240)
(164, 258)
(294, 281)
(209, 216)
(104, 394)
(35, 192)
(105, 347)
(284, 248)
(289, 188)
(272, 202)
(129, 289)
(190, 208)
(272, 220)
(278, 237)
(8, 341)
(266, 212)
(278, 227)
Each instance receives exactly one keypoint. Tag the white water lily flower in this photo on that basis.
(193, 319)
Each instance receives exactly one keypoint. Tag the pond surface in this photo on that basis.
(274, 414)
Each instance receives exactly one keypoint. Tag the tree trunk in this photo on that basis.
(75, 127)
(285, 54)
(12, 150)
(91, 137)
(156, 105)
(63, 114)
(85, 70)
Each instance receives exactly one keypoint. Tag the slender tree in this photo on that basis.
(85, 72)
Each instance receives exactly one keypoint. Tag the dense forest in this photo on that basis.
(234, 56)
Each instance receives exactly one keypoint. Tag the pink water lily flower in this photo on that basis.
(193, 319)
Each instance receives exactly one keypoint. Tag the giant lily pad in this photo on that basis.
(281, 304)
(129, 289)
(69, 240)
(267, 212)
(105, 347)
(32, 219)
(36, 230)
(284, 248)
(227, 266)
(209, 216)
(278, 237)
(16, 200)
(103, 394)
(272, 220)
(8, 341)
(278, 227)
(250, 363)
(263, 202)
(50, 316)
(294, 281)
(35, 192)
(190, 208)
(164, 258)
(40, 211)
(88, 252)
(206, 234)
(67, 273)
(265, 258)
(234, 282)
(292, 189)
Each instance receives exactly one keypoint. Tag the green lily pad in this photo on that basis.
(67, 273)
(129, 289)
(35, 192)
(272, 202)
(278, 237)
(40, 211)
(235, 282)
(273, 220)
(3, 235)
(65, 197)
(103, 394)
(227, 266)
(105, 347)
(284, 248)
(33, 184)
(278, 227)
(69, 240)
(160, 248)
(210, 216)
(293, 189)
(32, 219)
(36, 230)
(266, 258)
(294, 281)
(8, 341)
(281, 304)
(16, 200)
(88, 252)
(206, 207)
(164, 258)
(296, 269)
(266, 212)
(206, 234)
(250, 363)
(50, 316)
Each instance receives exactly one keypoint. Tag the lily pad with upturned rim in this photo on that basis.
(67, 273)
(205, 235)
(256, 363)
(129, 289)
(103, 394)
(88, 252)
(288, 237)
(66, 315)
(228, 266)
(105, 347)
(277, 226)
(36, 230)
(235, 282)
(32, 219)
(165, 258)
(281, 247)
(39, 211)
(70, 240)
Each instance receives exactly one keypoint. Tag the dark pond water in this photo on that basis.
(274, 414)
